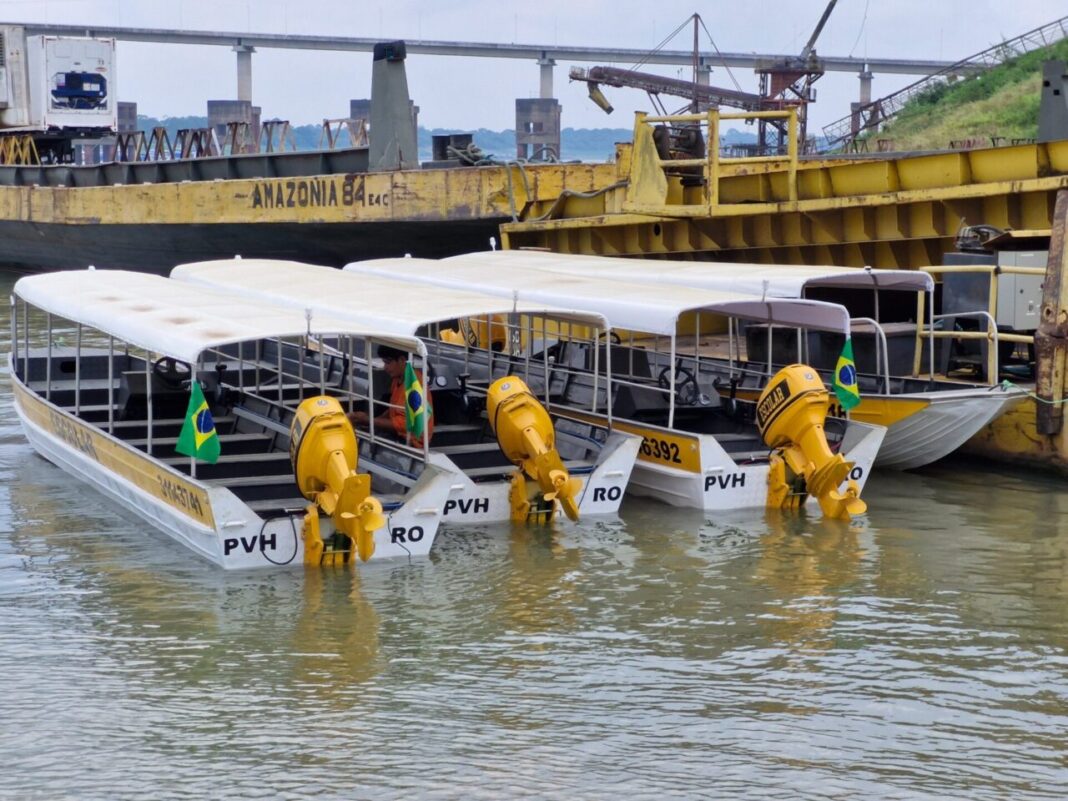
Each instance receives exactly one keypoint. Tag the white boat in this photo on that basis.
(927, 416)
(695, 452)
(109, 410)
(597, 457)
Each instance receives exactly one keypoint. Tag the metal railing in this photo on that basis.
(991, 335)
(711, 164)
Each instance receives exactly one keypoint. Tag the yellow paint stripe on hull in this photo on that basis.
(139, 469)
(414, 195)
(659, 446)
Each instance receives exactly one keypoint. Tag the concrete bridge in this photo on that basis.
(545, 56)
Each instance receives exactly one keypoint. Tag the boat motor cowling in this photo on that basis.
(323, 452)
(790, 415)
(525, 433)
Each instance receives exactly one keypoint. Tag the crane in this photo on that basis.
(784, 83)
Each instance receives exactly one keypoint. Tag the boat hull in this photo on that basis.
(210, 521)
(603, 487)
(923, 427)
(942, 425)
(695, 470)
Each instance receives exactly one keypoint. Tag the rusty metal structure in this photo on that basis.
(333, 131)
(785, 82)
(1051, 339)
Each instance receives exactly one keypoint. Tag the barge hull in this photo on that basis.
(159, 247)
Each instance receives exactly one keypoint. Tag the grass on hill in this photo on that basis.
(1001, 102)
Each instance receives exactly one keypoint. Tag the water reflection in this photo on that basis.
(809, 564)
(919, 652)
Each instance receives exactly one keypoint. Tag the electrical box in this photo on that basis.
(1020, 296)
(56, 82)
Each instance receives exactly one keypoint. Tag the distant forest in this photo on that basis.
(577, 144)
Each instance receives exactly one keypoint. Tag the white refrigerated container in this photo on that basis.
(56, 82)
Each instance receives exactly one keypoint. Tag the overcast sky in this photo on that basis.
(463, 93)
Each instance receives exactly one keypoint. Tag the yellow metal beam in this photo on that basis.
(911, 229)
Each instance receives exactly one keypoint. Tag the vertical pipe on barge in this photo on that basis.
(1051, 338)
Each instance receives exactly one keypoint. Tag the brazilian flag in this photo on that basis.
(198, 437)
(416, 409)
(845, 378)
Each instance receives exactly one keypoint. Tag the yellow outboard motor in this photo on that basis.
(790, 415)
(323, 451)
(527, 438)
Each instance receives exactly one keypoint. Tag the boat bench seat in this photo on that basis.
(387, 471)
(449, 434)
(40, 386)
(163, 421)
(472, 447)
(90, 408)
(260, 420)
(230, 443)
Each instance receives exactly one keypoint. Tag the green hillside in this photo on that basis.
(1002, 102)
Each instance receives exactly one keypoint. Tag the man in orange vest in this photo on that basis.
(393, 419)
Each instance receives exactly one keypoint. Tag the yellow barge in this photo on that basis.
(884, 211)
(325, 208)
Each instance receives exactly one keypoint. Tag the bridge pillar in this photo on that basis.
(858, 119)
(865, 76)
(537, 128)
(244, 72)
(546, 65)
(704, 73)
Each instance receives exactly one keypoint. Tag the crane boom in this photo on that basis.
(811, 43)
(706, 96)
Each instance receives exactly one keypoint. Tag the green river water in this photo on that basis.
(920, 652)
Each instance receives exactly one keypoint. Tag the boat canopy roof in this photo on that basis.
(782, 280)
(168, 317)
(383, 301)
(648, 308)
